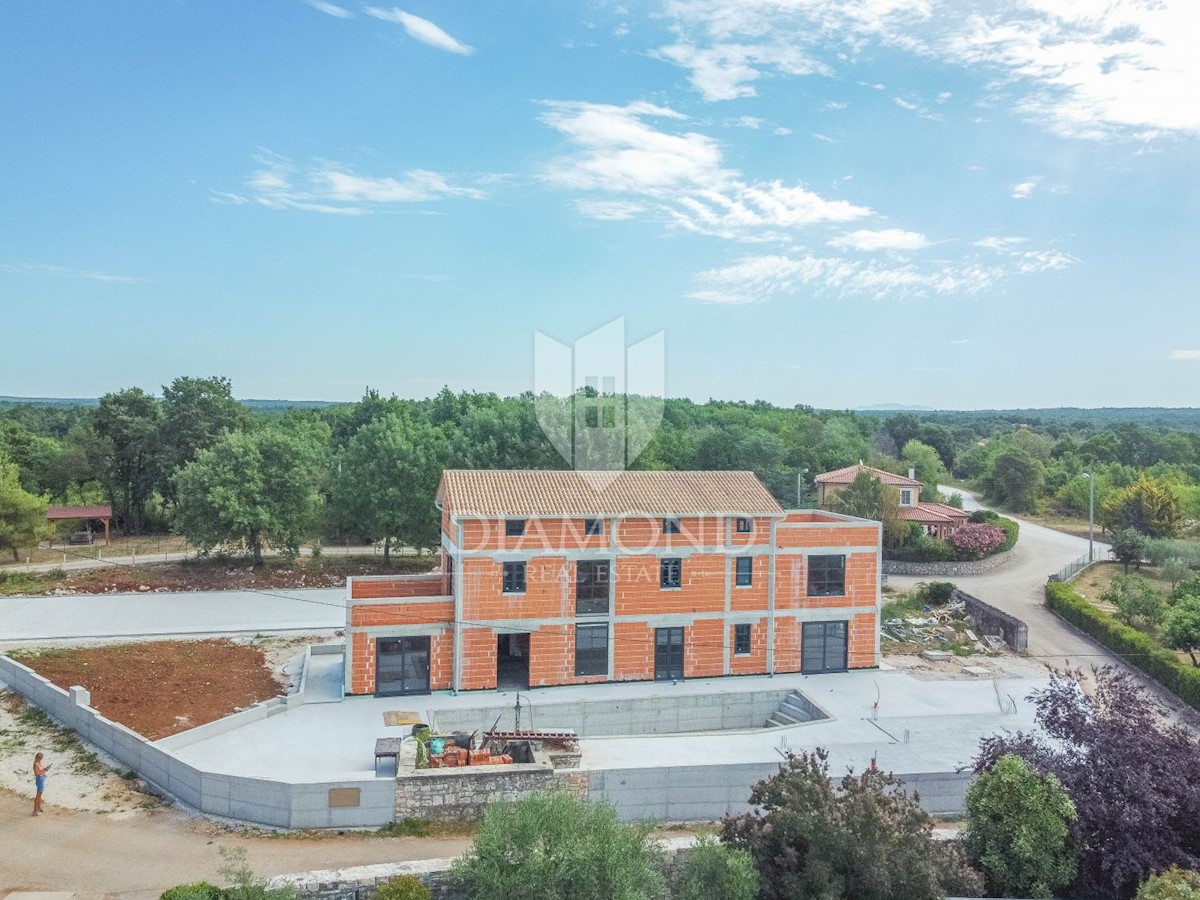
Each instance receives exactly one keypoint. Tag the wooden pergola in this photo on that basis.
(82, 513)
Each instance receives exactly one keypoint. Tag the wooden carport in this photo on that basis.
(83, 513)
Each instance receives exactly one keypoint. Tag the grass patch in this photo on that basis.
(903, 606)
(418, 828)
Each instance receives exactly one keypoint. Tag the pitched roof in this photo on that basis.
(933, 513)
(55, 513)
(515, 493)
(848, 474)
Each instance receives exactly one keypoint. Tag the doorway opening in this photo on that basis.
(512, 661)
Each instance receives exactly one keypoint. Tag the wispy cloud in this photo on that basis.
(1090, 69)
(1023, 190)
(421, 29)
(331, 188)
(754, 279)
(676, 175)
(961, 341)
(68, 272)
(884, 239)
(1185, 354)
(330, 9)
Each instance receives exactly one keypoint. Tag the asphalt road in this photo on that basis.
(170, 614)
(1018, 588)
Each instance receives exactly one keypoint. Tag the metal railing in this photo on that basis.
(1069, 571)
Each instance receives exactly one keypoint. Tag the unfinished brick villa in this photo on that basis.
(547, 580)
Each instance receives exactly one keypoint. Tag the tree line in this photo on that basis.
(198, 461)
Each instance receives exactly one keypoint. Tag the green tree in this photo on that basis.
(251, 488)
(1019, 830)
(866, 838)
(387, 479)
(1128, 546)
(928, 465)
(1138, 602)
(1173, 884)
(1149, 505)
(554, 846)
(128, 459)
(1181, 626)
(195, 412)
(869, 498)
(1175, 570)
(1016, 479)
(711, 869)
(22, 514)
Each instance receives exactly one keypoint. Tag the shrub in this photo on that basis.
(976, 540)
(983, 516)
(405, 887)
(1019, 830)
(1011, 529)
(1134, 646)
(711, 869)
(863, 838)
(935, 593)
(200, 890)
(1173, 884)
(553, 845)
(1128, 546)
(1136, 599)
(923, 549)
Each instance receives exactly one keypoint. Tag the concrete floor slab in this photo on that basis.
(944, 721)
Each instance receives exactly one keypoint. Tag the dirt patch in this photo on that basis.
(210, 575)
(162, 687)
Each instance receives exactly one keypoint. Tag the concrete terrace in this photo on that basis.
(944, 721)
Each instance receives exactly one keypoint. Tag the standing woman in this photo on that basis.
(39, 778)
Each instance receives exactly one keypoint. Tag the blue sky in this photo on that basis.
(831, 202)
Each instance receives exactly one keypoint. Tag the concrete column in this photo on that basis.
(771, 602)
(458, 612)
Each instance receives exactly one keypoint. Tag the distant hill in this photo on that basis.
(92, 401)
(894, 407)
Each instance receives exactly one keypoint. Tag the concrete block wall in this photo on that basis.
(646, 715)
(257, 800)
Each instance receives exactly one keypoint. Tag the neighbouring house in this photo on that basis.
(938, 519)
(547, 579)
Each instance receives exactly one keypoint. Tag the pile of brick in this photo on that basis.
(461, 756)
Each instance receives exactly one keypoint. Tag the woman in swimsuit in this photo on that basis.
(39, 778)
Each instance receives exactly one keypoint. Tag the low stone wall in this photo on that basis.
(462, 794)
(994, 621)
(947, 569)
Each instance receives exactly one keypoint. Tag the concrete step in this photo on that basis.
(774, 722)
(782, 715)
(798, 713)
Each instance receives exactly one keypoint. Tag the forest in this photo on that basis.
(228, 474)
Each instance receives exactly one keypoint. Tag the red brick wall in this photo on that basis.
(362, 659)
(372, 587)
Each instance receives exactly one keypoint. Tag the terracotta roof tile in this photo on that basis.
(538, 492)
(848, 474)
(78, 512)
(933, 513)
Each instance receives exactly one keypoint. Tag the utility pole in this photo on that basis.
(1091, 515)
(801, 492)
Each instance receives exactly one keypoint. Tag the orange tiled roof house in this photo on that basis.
(939, 520)
(547, 580)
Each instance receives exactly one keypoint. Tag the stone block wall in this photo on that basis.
(462, 794)
(947, 569)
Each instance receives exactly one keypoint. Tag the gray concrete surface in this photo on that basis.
(170, 614)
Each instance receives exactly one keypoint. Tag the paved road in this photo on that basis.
(1018, 587)
(170, 614)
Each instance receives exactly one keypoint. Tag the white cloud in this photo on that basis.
(961, 341)
(781, 131)
(824, 138)
(885, 239)
(1023, 190)
(752, 122)
(754, 279)
(330, 9)
(724, 72)
(1087, 69)
(329, 187)
(904, 104)
(1185, 354)
(609, 210)
(422, 30)
(228, 198)
(1001, 244)
(68, 272)
(678, 176)
(942, 97)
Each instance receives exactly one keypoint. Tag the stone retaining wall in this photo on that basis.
(994, 621)
(947, 569)
(462, 794)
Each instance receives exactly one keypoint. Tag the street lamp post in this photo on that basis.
(801, 491)
(1091, 514)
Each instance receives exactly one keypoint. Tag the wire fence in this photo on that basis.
(1069, 571)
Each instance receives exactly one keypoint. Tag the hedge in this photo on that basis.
(1133, 646)
(1011, 529)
